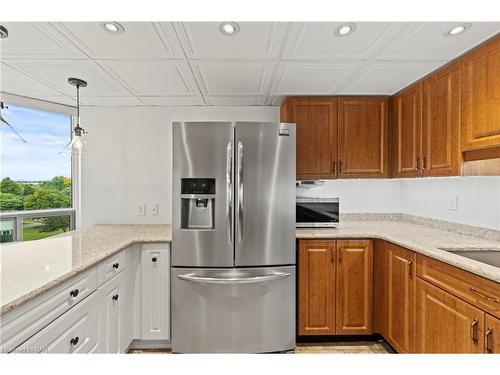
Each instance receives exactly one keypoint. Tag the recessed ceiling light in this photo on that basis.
(113, 27)
(345, 29)
(229, 28)
(458, 29)
(4, 33)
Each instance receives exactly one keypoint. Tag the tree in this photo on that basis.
(7, 185)
(53, 223)
(43, 198)
(57, 183)
(10, 202)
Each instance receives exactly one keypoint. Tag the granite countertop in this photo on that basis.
(28, 269)
(420, 238)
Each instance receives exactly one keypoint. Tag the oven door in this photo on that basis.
(317, 212)
(246, 310)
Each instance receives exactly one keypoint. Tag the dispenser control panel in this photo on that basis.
(204, 186)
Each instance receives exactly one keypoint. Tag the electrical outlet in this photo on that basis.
(452, 203)
(154, 209)
(141, 210)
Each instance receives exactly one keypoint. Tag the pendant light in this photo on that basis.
(78, 143)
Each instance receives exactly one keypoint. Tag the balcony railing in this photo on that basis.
(35, 224)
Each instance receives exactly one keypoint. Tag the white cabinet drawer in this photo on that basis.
(73, 332)
(110, 267)
(22, 323)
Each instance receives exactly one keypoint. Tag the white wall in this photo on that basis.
(129, 159)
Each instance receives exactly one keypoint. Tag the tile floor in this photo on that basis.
(367, 347)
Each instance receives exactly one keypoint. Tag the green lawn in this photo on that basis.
(34, 233)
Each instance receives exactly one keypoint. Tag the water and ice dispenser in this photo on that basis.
(197, 203)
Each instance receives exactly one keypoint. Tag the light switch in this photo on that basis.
(141, 210)
(154, 209)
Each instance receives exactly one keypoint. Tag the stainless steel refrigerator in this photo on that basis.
(233, 237)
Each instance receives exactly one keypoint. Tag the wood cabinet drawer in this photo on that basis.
(474, 289)
(73, 332)
(110, 267)
(22, 323)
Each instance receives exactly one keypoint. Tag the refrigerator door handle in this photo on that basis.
(229, 192)
(234, 280)
(240, 192)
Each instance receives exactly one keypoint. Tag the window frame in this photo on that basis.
(74, 212)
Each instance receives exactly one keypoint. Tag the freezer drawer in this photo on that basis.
(249, 310)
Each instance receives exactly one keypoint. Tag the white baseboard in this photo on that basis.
(150, 344)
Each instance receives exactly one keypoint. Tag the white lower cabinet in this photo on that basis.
(155, 292)
(111, 299)
(73, 332)
(89, 314)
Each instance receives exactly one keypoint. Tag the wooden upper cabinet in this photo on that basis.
(407, 132)
(354, 287)
(363, 137)
(481, 97)
(492, 335)
(316, 129)
(446, 324)
(441, 123)
(401, 288)
(316, 287)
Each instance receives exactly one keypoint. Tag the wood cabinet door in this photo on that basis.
(407, 132)
(481, 96)
(363, 148)
(380, 286)
(401, 288)
(354, 287)
(316, 129)
(441, 123)
(316, 287)
(111, 323)
(492, 335)
(446, 324)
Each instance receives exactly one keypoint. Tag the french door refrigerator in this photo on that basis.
(233, 237)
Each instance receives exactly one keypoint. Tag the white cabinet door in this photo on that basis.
(112, 307)
(155, 292)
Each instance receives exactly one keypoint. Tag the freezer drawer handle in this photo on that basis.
(233, 280)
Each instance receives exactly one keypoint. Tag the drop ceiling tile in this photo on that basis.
(254, 41)
(111, 101)
(15, 82)
(55, 73)
(233, 77)
(153, 77)
(425, 41)
(35, 40)
(172, 100)
(235, 100)
(140, 40)
(387, 78)
(317, 40)
(314, 78)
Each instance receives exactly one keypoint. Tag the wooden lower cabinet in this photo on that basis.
(492, 335)
(445, 323)
(401, 286)
(316, 287)
(335, 287)
(354, 287)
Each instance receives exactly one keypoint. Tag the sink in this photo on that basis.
(487, 255)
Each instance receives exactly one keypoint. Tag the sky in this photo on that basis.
(46, 132)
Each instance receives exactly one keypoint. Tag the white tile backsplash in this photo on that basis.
(477, 198)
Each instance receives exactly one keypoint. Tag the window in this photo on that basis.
(36, 187)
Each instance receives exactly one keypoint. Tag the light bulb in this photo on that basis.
(78, 143)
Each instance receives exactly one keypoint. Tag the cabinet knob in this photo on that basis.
(74, 293)
(115, 297)
(116, 265)
(154, 259)
(74, 340)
